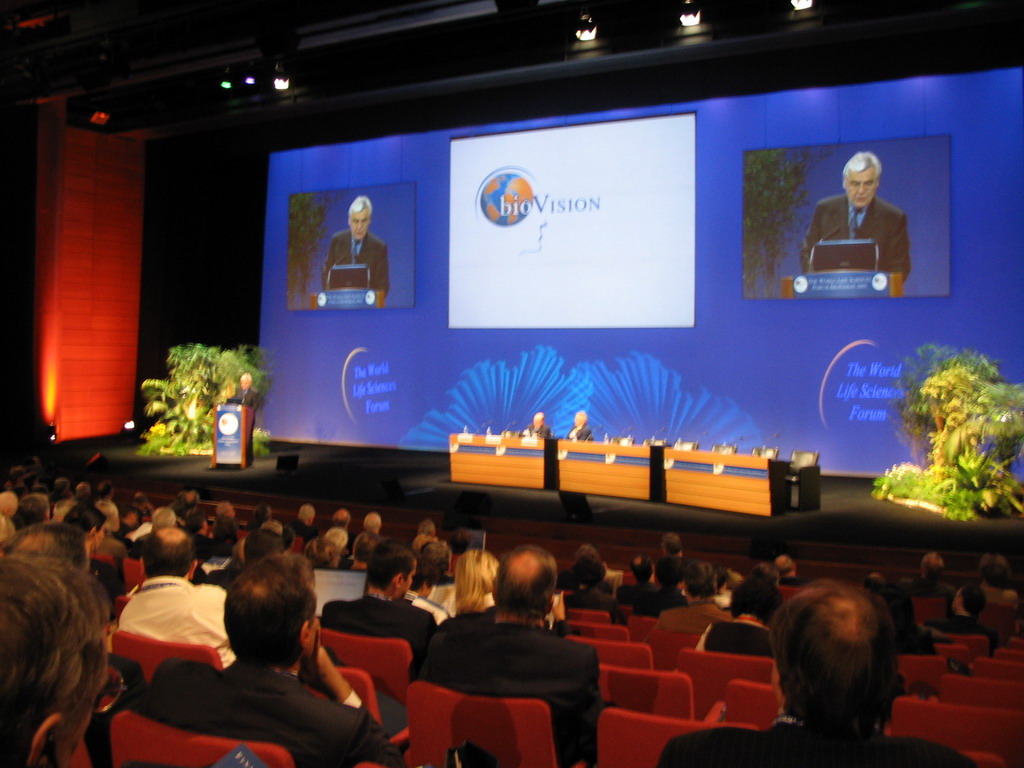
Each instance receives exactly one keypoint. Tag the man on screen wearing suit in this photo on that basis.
(356, 245)
(861, 215)
(580, 431)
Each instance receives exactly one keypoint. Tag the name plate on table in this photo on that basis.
(347, 298)
(842, 285)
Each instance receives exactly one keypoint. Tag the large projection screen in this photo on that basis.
(587, 226)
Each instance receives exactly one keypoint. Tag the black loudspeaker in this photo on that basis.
(766, 549)
(98, 463)
(576, 506)
(472, 503)
(288, 463)
(393, 491)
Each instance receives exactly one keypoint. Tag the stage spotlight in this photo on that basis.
(690, 14)
(225, 80)
(586, 29)
(100, 118)
(802, 5)
(51, 432)
(249, 80)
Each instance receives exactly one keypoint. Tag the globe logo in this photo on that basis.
(506, 197)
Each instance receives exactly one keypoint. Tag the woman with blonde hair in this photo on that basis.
(474, 582)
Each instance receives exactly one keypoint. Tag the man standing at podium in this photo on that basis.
(861, 215)
(356, 245)
(247, 393)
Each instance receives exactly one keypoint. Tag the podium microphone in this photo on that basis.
(484, 426)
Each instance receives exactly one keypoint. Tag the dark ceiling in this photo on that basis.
(156, 66)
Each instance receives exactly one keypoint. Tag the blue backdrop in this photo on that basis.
(798, 374)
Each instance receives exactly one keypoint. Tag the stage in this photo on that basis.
(331, 475)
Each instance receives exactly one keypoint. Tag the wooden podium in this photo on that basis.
(232, 436)
(734, 482)
(497, 460)
(607, 469)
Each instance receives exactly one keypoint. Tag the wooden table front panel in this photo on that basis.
(605, 469)
(494, 460)
(736, 482)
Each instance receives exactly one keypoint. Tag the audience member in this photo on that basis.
(427, 575)
(168, 606)
(372, 523)
(362, 550)
(91, 522)
(198, 527)
(588, 573)
(185, 500)
(426, 532)
(567, 578)
(474, 583)
(341, 518)
(270, 619)
(54, 662)
(669, 572)
(671, 545)
(766, 571)
(443, 591)
(642, 568)
(163, 517)
(517, 656)
(110, 545)
(754, 602)
(787, 571)
(700, 610)
(322, 553)
(382, 611)
(337, 537)
(7, 530)
(968, 603)
(34, 508)
(835, 680)
(261, 514)
(995, 580)
(8, 504)
(303, 525)
(909, 636)
(224, 535)
(928, 583)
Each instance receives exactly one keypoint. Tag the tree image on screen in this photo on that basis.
(307, 214)
(774, 191)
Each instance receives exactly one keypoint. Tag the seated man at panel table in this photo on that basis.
(383, 611)
(834, 677)
(168, 606)
(537, 427)
(580, 431)
(270, 618)
(517, 656)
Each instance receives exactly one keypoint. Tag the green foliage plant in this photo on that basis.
(199, 377)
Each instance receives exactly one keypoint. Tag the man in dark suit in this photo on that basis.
(861, 215)
(270, 617)
(643, 571)
(518, 657)
(383, 611)
(356, 245)
(247, 394)
(968, 603)
(580, 431)
(537, 427)
(835, 680)
(669, 572)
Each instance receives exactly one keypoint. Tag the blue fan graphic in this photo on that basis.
(643, 398)
(505, 396)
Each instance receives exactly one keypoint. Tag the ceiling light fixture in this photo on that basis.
(586, 29)
(802, 5)
(281, 80)
(690, 15)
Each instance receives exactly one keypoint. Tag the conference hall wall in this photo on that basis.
(641, 281)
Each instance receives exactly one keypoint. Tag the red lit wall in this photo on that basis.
(88, 265)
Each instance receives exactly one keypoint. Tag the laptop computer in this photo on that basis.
(344, 276)
(337, 585)
(829, 255)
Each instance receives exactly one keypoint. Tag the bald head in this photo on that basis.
(341, 518)
(372, 523)
(168, 552)
(525, 584)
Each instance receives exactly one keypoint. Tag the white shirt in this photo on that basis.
(174, 609)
